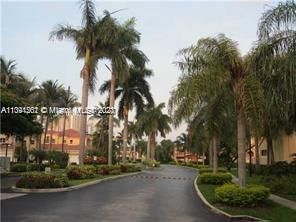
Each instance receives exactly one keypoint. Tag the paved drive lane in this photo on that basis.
(160, 195)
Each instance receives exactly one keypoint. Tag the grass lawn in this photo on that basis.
(81, 181)
(269, 211)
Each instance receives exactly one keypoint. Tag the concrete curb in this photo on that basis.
(56, 190)
(218, 211)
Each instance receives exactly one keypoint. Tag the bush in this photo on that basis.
(284, 185)
(57, 157)
(108, 170)
(34, 167)
(210, 170)
(128, 168)
(18, 167)
(173, 163)
(281, 168)
(81, 172)
(151, 163)
(214, 178)
(233, 195)
(42, 180)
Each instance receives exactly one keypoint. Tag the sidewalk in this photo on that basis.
(283, 201)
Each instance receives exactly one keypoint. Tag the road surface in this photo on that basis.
(165, 195)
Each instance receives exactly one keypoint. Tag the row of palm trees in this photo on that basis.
(219, 86)
(106, 38)
(48, 94)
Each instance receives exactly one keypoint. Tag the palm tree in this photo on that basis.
(133, 93)
(210, 65)
(86, 44)
(182, 142)
(152, 121)
(51, 92)
(122, 50)
(8, 71)
(68, 100)
(273, 63)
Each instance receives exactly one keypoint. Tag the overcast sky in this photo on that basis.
(165, 28)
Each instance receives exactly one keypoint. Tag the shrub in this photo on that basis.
(34, 167)
(214, 178)
(284, 185)
(18, 167)
(101, 160)
(42, 180)
(81, 172)
(173, 163)
(210, 170)
(281, 168)
(151, 163)
(233, 195)
(127, 168)
(57, 157)
(108, 170)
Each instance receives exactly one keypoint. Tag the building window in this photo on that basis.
(71, 141)
(32, 142)
(2, 140)
(263, 152)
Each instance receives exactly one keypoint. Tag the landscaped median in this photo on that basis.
(74, 177)
(251, 202)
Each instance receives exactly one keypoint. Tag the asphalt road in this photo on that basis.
(158, 195)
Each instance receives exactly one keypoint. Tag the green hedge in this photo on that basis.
(151, 163)
(81, 172)
(233, 195)
(18, 167)
(214, 178)
(283, 185)
(42, 180)
(108, 170)
(210, 170)
(128, 168)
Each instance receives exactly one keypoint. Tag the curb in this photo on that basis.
(218, 211)
(63, 189)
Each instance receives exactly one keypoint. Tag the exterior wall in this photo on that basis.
(283, 148)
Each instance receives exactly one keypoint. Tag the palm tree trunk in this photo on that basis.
(153, 146)
(125, 132)
(45, 132)
(50, 142)
(241, 149)
(257, 155)
(211, 154)
(270, 156)
(215, 155)
(134, 149)
(64, 128)
(39, 136)
(85, 73)
(148, 146)
(111, 117)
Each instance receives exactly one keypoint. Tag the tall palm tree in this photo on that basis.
(122, 50)
(133, 93)
(86, 44)
(273, 62)
(210, 65)
(153, 122)
(51, 92)
(68, 100)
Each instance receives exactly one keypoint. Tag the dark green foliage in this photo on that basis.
(233, 195)
(283, 185)
(214, 178)
(108, 170)
(210, 170)
(18, 167)
(129, 168)
(281, 168)
(57, 157)
(39, 155)
(42, 180)
(81, 172)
